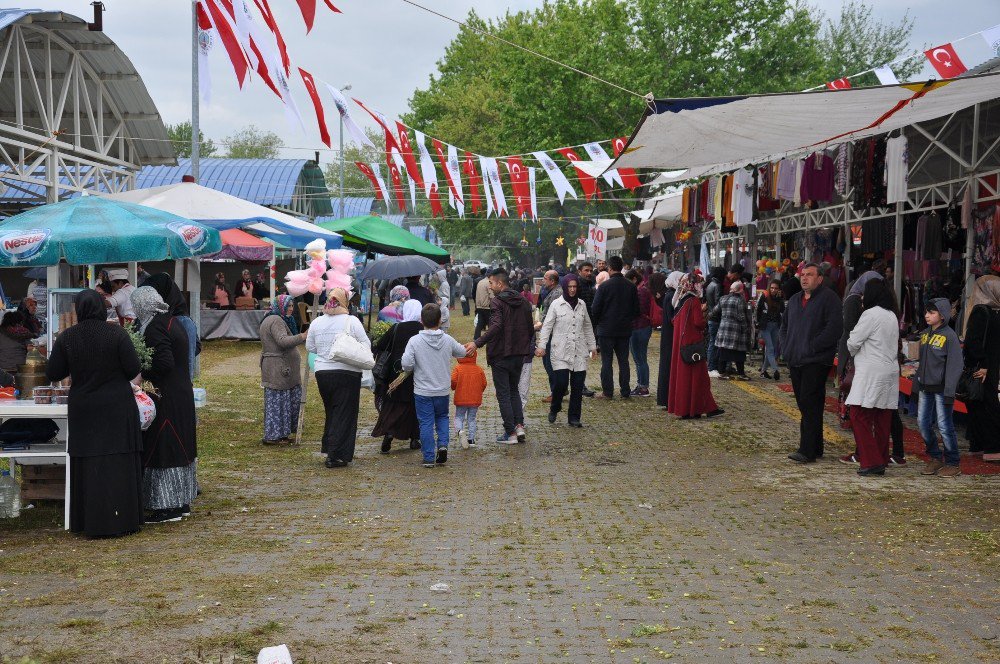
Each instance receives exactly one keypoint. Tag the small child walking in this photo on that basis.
(428, 356)
(940, 368)
(468, 380)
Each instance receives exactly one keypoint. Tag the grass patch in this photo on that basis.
(244, 643)
(649, 630)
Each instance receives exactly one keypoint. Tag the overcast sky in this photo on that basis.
(385, 49)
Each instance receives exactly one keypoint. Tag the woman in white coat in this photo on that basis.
(874, 343)
(568, 325)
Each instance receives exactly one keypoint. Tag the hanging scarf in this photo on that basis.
(278, 307)
(147, 303)
(564, 284)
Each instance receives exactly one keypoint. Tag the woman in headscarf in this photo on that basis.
(171, 294)
(29, 308)
(105, 451)
(280, 370)
(567, 324)
(397, 411)
(982, 353)
(442, 291)
(666, 300)
(14, 337)
(393, 312)
(244, 287)
(690, 394)
(220, 292)
(170, 444)
(852, 312)
(733, 338)
(339, 383)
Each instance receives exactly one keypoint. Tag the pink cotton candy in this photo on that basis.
(341, 260)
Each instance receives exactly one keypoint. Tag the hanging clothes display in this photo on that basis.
(842, 171)
(710, 189)
(766, 199)
(897, 168)
(868, 174)
(727, 225)
(743, 195)
(685, 204)
(799, 174)
(878, 235)
(817, 178)
(786, 179)
(929, 236)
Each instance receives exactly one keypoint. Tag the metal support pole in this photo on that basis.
(897, 264)
(195, 120)
(970, 233)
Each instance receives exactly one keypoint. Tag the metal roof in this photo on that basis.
(353, 207)
(143, 124)
(431, 234)
(281, 182)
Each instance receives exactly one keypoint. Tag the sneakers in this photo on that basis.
(932, 467)
(163, 516)
(519, 432)
(897, 461)
(714, 374)
(639, 391)
(442, 456)
(764, 373)
(504, 439)
(849, 459)
(185, 510)
(949, 471)
(430, 464)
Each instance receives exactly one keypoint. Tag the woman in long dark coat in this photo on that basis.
(666, 300)
(105, 441)
(982, 353)
(690, 387)
(171, 294)
(170, 443)
(397, 415)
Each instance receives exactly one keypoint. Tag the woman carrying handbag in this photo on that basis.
(690, 391)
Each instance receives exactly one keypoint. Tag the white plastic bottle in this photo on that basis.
(10, 496)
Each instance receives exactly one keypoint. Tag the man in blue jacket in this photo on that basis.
(810, 331)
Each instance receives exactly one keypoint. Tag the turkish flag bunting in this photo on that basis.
(310, 84)
(390, 140)
(946, 61)
(397, 178)
(439, 148)
(435, 200)
(308, 9)
(588, 183)
(469, 167)
(204, 23)
(839, 84)
(227, 33)
(628, 175)
(370, 174)
(263, 70)
(519, 184)
(406, 149)
(265, 11)
(332, 8)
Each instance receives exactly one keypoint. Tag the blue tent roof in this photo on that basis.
(354, 206)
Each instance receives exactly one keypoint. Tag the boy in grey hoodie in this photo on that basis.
(428, 356)
(940, 368)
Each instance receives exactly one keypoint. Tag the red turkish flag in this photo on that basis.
(308, 9)
(406, 149)
(224, 26)
(435, 201)
(390, 140)
(588, 183)
(332, 8)
(519, 184)
(310, 84)
(946, 61)
(839, 84)
(628, 175)
(370, 174)
(469, 168)
(443, 158)
(204, 23)
(397, 179)
(265, 11)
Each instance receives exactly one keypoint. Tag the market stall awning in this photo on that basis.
(223, 211)
(716, 134)
(239, 245)
(377, 234)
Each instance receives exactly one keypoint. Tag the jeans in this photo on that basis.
(506, 379)
(932, 409)
(770, 333)
(639, 343)
(465, 420)
(432, 413)
(713, 352)
(612, 347)
(574, 381)
(809, 386)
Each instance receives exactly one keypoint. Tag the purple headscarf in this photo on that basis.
(564, 283)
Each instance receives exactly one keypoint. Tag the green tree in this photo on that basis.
(250, 142)
(180, 138)
(494, 99)
(856, 42)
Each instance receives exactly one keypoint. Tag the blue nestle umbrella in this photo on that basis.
(94, 230)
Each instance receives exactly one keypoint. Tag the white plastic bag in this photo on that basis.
(147, 407)
(367, 380)
(275, 655)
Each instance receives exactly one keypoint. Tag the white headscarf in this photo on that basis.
(147, 303)
(411, 311)
(674, 279)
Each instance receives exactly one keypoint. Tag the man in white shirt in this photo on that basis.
(121, 294)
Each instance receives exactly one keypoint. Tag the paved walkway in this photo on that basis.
(636, 539)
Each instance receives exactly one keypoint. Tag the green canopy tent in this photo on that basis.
(378, 235)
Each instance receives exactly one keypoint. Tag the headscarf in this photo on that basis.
(859, 284)
(147, 303)
(411, 311)
(399, 294)
(89, 305)
(278, 307)
(736, 287)
(170, 293)
(689, 283)
(674, 280)
(336, 302)
(564, 283)
(986, 291)
(600, 279)
(31, 321)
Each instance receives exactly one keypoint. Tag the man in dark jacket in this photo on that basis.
(616, 305)
(418, 292)
(810, 331)
(714, 293)
(586, 284)
(508, 340)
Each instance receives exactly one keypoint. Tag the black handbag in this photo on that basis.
(382, 371)
(694, 353)
(969, 388)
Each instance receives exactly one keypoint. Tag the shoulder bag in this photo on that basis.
(694, 352)
(348, 350)
(969, 388)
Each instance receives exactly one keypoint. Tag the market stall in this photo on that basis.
(376, 235)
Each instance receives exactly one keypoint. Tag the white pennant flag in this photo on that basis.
(352, 127)
(487, 191)
(401, 167)
(499, 200)
(992, 37)
(597, 153)
(206, 38)
(292, 114)
(534, 198)
(455, 172)
(558, 178)
(377, 170)
(243, 20)
(886, 76)
(427, 170)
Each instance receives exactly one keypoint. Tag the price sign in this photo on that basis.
(599, 240)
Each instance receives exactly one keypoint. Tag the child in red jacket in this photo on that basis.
(468, 380)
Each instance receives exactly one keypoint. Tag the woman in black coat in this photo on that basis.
(982, 354)
(170, 443)
(666, 301)
(397, 412)
(105, 439)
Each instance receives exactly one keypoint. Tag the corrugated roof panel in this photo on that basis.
(354, 207)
